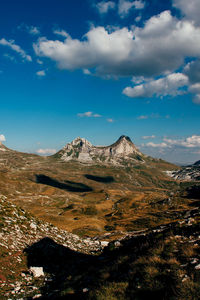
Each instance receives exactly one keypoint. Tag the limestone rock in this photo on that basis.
(82, 150)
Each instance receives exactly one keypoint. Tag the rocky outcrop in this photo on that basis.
(82, 150)
(188, 173)
(19, 231)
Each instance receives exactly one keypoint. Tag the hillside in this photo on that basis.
(88, 198)
(40, 261)
(132, 231)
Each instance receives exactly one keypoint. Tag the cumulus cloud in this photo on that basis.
(156, 51)
(46, 151)
(187, 143)
(169, 85)
(125, 6)
(195, 89)
(104, 6)
(88, 114)
(11, 44)
(159, 47)
(190, 9)
(192, 70)
(41, 73)
(2, 138)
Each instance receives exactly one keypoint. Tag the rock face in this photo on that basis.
(82, 150)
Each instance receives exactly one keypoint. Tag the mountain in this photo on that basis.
(197, 163)
(115, 226)
(187, 173)
(82, 150)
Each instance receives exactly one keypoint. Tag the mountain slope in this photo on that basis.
(89, 198)
(18, 231)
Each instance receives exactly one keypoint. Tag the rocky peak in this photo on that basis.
(81, 142)
(124, 138)
(82, 150)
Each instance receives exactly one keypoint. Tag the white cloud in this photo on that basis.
(104, 6)
(39, 62)
(157, 49)
(169, 85)
(161, 46)
(184, 143)
(86, 72)
(189, 142)
(88, 114)
(154, 145)
(46, 151)
(11, 44)
(124, 6)
(138, 18)
(192, 70)
(109, 120)
(61, 33)
(190, 9)
(195, 89)
(2, 138)
(147, 137)
(33, 30)
(41, 73)
(138, 4)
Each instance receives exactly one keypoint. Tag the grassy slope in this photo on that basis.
(78, 197)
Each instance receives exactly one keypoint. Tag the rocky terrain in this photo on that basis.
(97, 223)
(82, 150)
(187, 173)
(88, 198)
(40, 261)
(18, 232)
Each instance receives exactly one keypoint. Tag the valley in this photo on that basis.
(115, 211)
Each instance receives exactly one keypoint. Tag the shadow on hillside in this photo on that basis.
(74, 275)
(193, 192)
(69, 186)
(103, 179)
(63, 266)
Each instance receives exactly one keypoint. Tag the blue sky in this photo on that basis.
(100, 69)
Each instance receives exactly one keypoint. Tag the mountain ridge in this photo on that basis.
(82, 150)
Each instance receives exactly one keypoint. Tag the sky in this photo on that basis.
(99, 70)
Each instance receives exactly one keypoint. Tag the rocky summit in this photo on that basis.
(82, 150)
